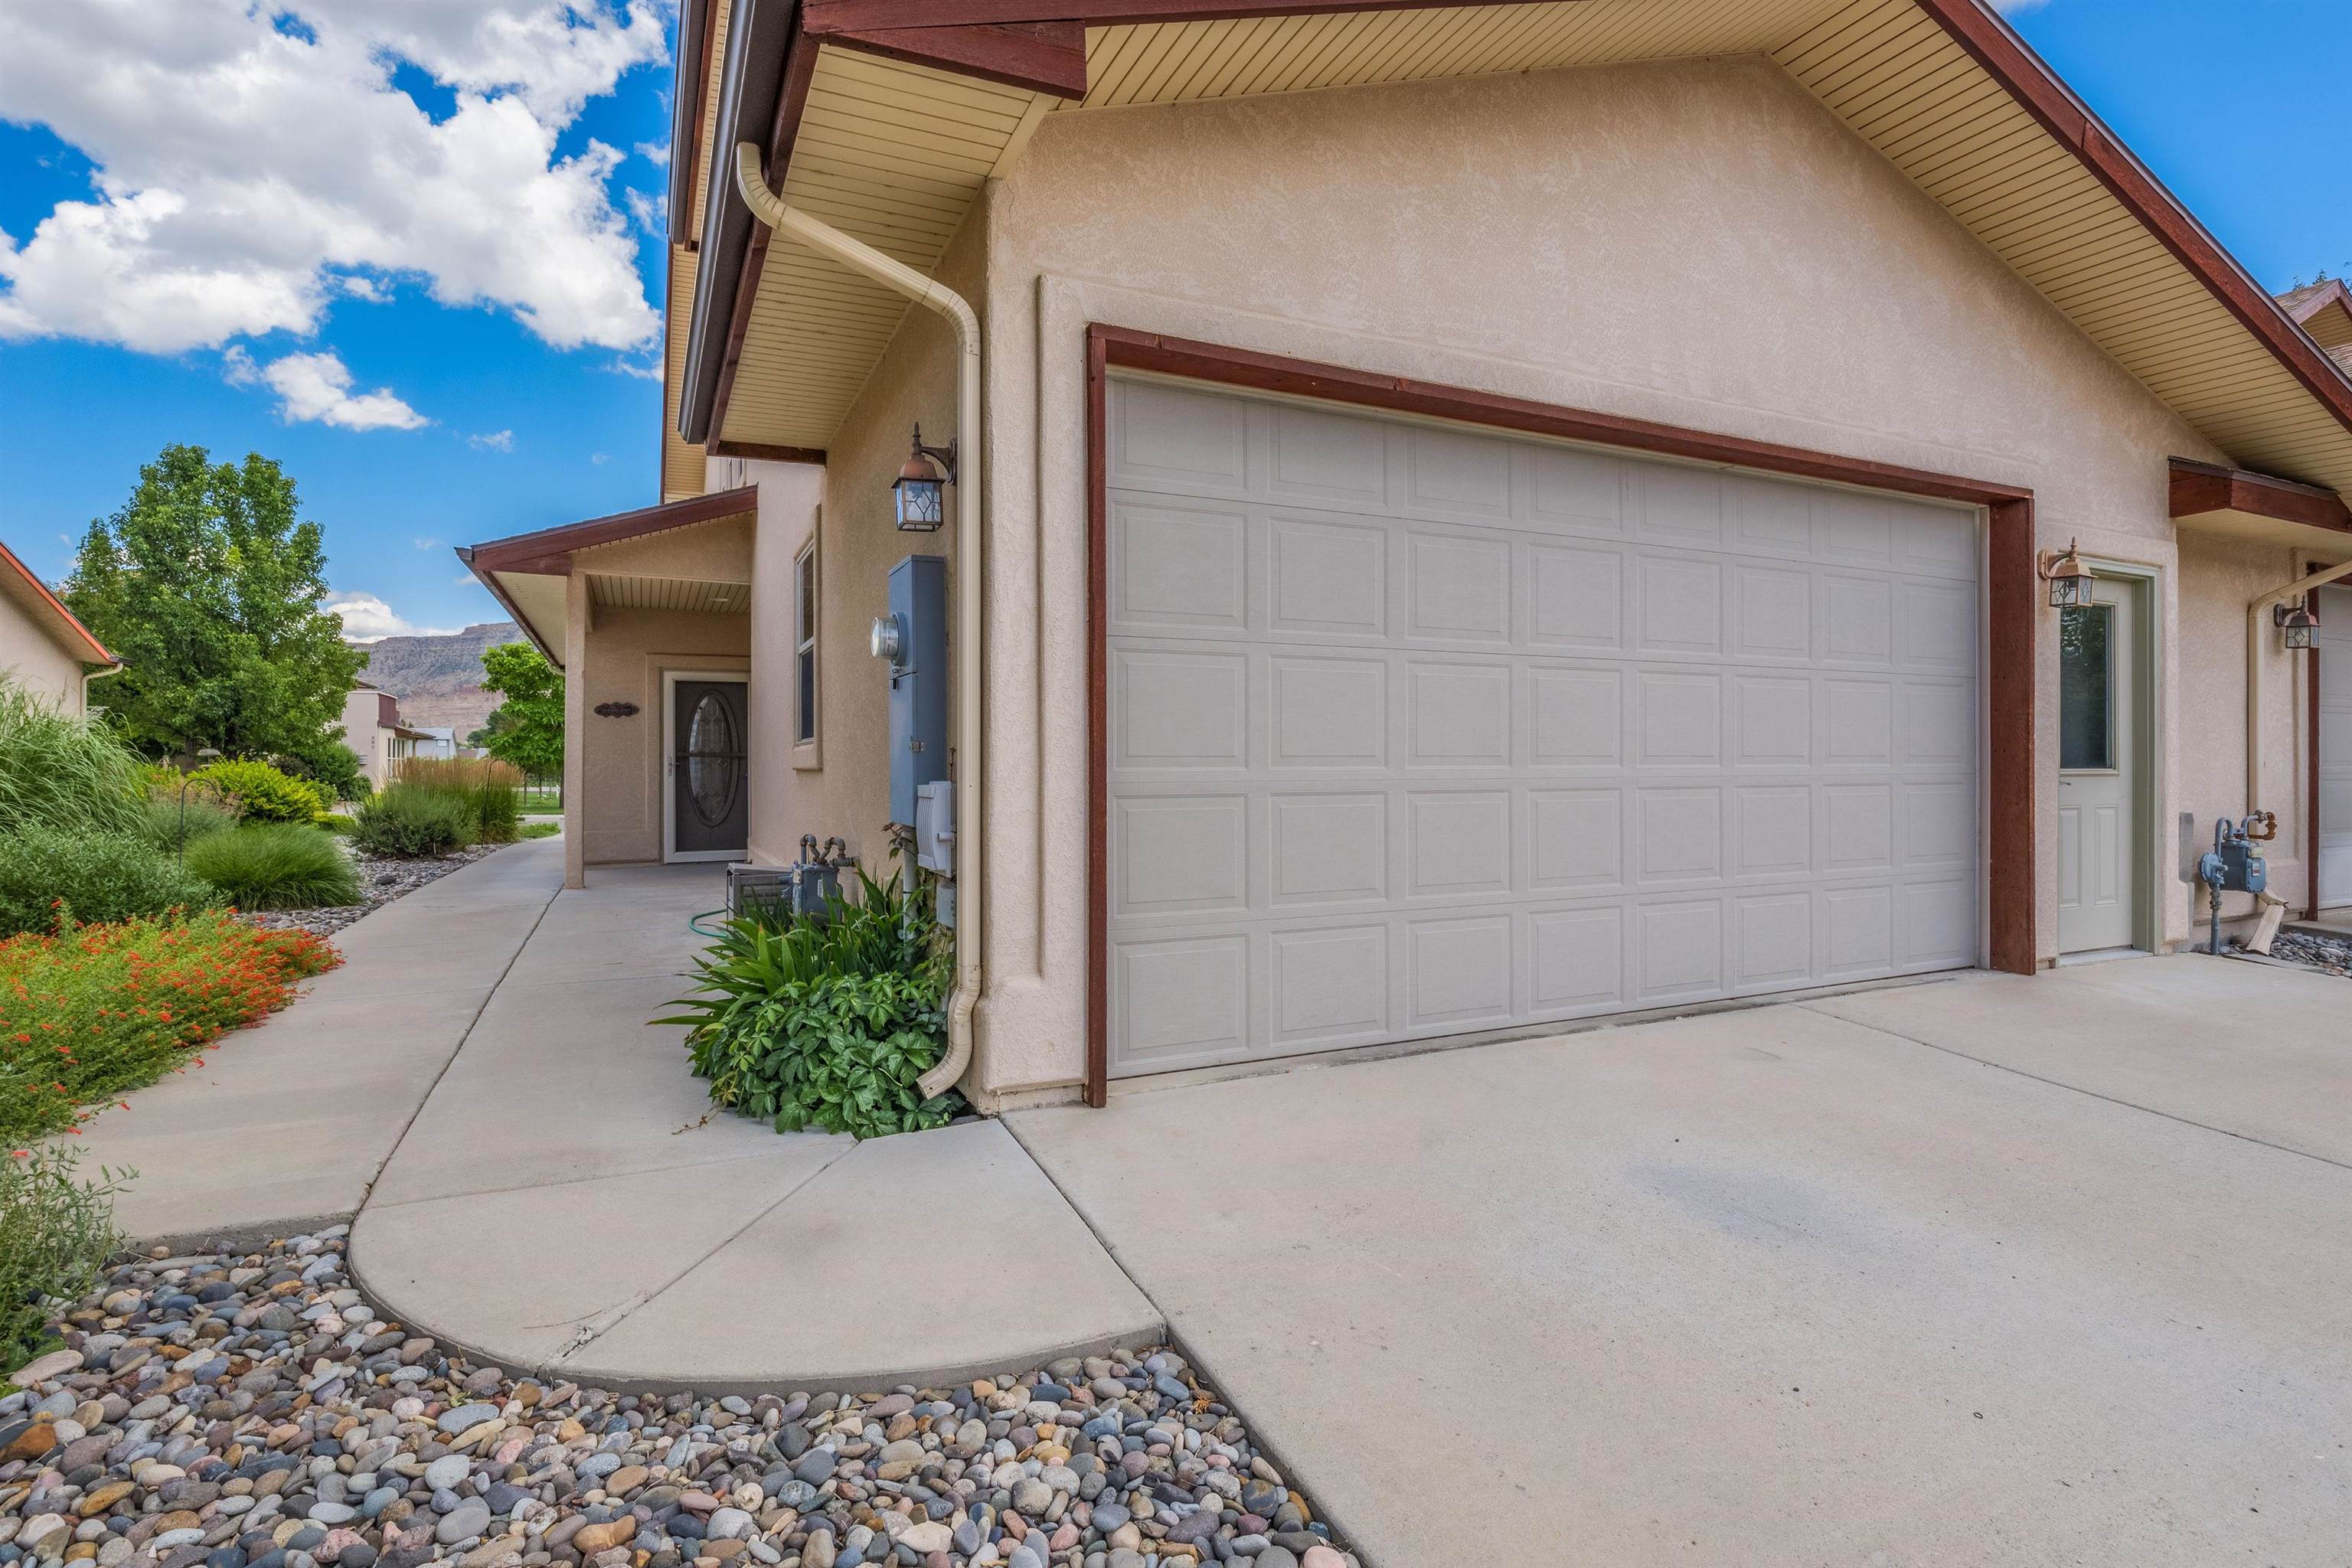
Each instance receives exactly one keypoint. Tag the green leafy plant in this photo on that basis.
(828, 1023)
(87, 1012)
(48, 874)
(404, 822)
(339, 824)
(56, 1229)
(59, 771)
(526, 728)
(276, 866)
(542, 829)
(263, 793)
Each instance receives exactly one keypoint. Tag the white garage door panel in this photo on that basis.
(1416, 731)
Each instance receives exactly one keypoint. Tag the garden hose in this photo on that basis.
(694, 923)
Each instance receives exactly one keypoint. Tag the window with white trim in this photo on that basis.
(805, 644)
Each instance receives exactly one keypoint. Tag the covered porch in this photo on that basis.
(647, 613)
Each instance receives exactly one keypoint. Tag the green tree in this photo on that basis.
(526, 728)
(207, 587)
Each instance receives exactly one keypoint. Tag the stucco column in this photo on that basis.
(576, 613)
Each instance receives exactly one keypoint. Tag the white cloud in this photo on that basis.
(601, 458)
(655, 152)
(496, 441)
(318, 386)
(426, 543)
(367, 618)
(246, 174)
(651, 211)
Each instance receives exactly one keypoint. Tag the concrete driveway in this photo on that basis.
(1981, 1271)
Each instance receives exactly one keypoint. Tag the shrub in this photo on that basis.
(46, 876)
(265, 793)
(337, 824)
(491, 790)
(57, 1230)
(206, 812)
(827, 1022)
(59, 771)
(276, 866)
(87, 1012)
(332, 766)
(539, 829)
(401, 823)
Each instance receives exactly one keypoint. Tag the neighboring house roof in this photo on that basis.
(2324, 309)
(913, 105)
(45, 610)
(526, 571)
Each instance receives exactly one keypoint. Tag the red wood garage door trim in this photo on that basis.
(2012, 586)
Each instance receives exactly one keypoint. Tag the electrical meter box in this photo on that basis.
(918, 681)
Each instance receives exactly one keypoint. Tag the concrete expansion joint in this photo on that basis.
(2077, 1089)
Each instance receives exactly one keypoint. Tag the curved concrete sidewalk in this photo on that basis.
(538, 1181)
(565, 1202)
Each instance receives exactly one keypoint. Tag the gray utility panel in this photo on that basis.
(1419, 730)
(918, 681)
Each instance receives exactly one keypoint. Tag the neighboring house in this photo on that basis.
(436, 741)
(372, 730)
(42, 646)
(2324, 309)
(1549, 523)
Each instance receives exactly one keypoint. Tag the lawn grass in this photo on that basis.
(90, 1012)
(540, 829)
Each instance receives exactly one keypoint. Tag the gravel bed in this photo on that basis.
(384, 881)
(254, 1412)
(2314, 950)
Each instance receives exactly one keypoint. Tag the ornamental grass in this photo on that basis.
(88, 1012)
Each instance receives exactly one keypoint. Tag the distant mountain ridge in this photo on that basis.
(438, 679)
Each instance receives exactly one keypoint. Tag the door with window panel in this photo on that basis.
(2099, 866)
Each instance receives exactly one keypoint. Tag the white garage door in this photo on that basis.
(1416, 731)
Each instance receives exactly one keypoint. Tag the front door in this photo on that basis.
(2099, 867)
(709, 799)
(2333, 667)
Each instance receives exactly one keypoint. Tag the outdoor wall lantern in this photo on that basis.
(921, 506)
(2298, 628)
(2070, 581)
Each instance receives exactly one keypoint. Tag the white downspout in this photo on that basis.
(2257, 615)
(117, 667)
(860, 257)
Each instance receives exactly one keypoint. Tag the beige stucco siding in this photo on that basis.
(619, 785)
(2219, 579)
(841, 784)
(29, 656)
(1697, 243)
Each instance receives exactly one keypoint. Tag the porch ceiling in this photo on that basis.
(894, 152)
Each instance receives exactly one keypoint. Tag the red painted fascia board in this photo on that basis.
(72, 623)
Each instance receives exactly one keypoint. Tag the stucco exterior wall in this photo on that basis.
(619, 786)
(2219, 578)
(840, 785)
(1698, 243)
(29, 658)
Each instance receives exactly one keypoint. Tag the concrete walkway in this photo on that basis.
(2069, 1282)
(538, 1180)
(287, 1125)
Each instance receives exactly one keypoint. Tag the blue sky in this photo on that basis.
(518, 397)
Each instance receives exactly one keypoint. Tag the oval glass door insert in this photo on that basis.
(714, 761)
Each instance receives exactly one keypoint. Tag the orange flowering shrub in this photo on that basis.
(87, 1012)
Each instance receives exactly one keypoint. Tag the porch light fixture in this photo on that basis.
(2070, 581)
(921, 506)
(2298, 628)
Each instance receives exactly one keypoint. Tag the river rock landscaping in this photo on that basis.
(380, 881)
(254, 1412)
(2329, 954)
